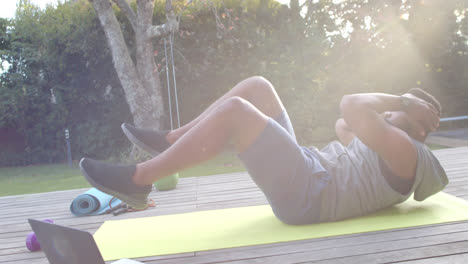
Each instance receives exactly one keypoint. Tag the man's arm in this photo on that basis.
(362, 113)
(344, 132)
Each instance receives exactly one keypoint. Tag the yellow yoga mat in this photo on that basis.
(245, 226)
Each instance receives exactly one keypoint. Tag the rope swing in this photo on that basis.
(168, 79)
(171, 46)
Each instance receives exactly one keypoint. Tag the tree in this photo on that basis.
(60, 76)
(139, 78)
(4, 41)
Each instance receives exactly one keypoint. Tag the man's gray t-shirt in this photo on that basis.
(357, 185)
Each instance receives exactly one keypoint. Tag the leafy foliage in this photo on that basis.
(61, 73)
(61, 76)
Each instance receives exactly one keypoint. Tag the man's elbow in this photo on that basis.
(347, 103)
(351, 107)
(342, 125)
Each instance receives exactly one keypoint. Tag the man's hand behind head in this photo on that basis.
(422, 114)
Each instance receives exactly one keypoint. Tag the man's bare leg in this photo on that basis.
(257, 90)
(231, 120)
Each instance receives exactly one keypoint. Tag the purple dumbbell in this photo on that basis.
(31, 240)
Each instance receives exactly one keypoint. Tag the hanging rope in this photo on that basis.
(171, 41)
(168, 79)
(171, 38)
(168, 84)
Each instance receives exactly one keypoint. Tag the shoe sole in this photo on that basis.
(139, 143)
(126, 199)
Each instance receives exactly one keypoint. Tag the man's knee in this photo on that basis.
(258, 78)
(240, 113)
(261, 85)
(259, 91)
(236, 106)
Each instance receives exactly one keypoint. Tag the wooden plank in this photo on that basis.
(451, 150)
(39, 257)
(407, 255)
(377, 253)
(449, 259)
(62, 209)
(447, 142)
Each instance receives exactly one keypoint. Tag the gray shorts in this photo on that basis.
(290, 176)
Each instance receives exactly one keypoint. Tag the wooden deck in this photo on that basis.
(449, 138)
(442, 243)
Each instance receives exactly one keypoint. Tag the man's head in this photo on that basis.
(403, 121)
(421, 94)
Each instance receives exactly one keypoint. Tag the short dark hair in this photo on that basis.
(421, 94)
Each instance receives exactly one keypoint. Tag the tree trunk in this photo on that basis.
(145, 64)
(140, 82)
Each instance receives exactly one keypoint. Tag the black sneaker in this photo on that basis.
(151, 141)
(116, 180)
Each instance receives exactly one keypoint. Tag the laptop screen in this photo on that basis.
(64, 245)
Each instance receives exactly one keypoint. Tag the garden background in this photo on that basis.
(57, 70)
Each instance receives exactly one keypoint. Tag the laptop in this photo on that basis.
(64, 245)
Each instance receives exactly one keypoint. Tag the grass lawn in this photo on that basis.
(435, 147)
(57, 177)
